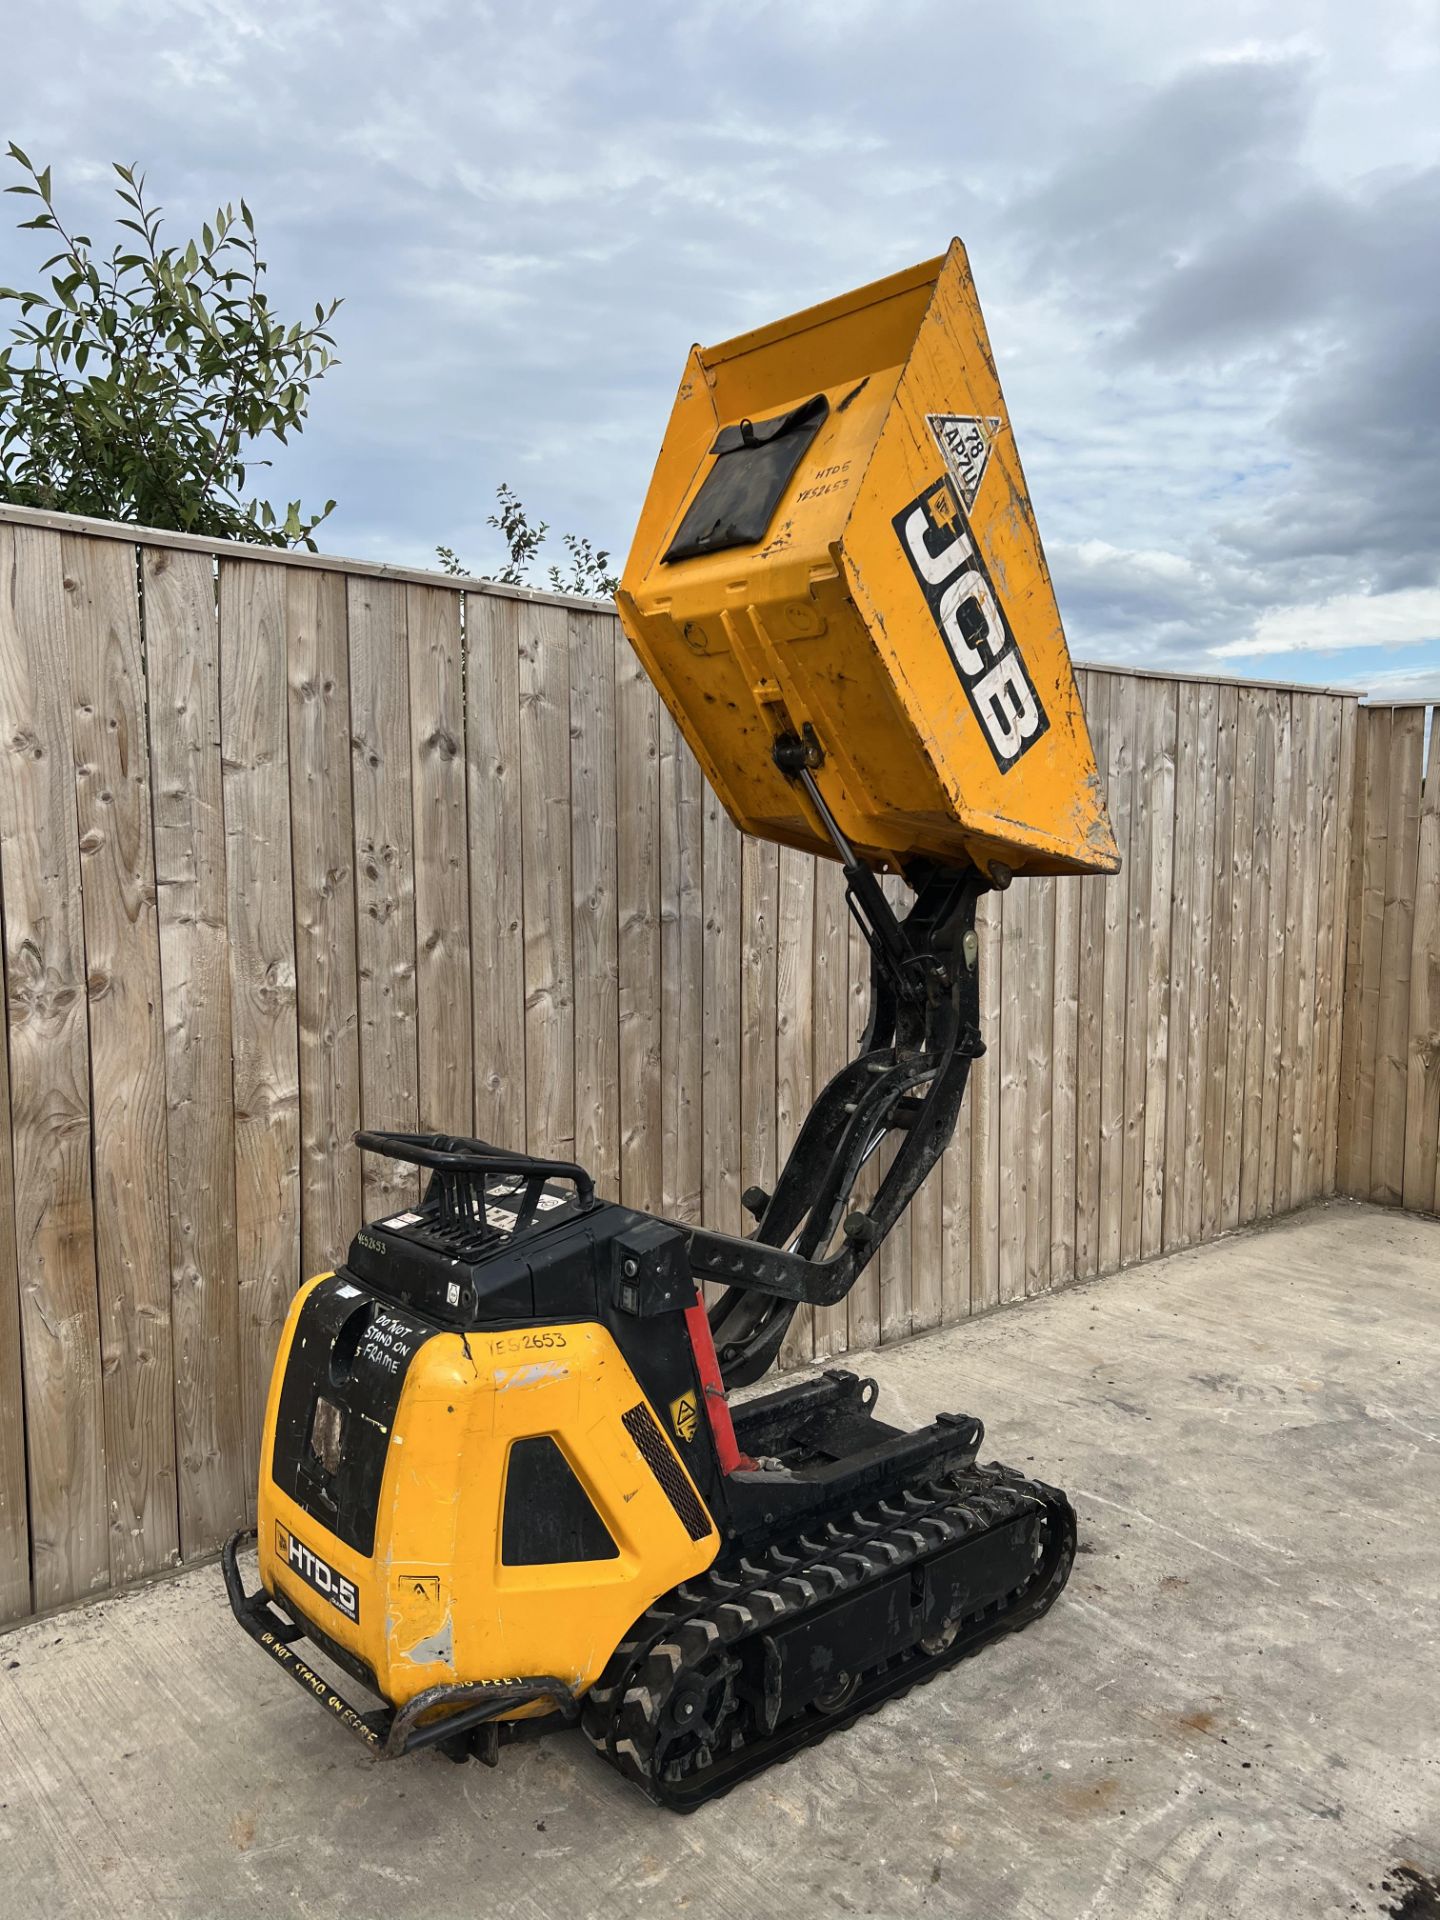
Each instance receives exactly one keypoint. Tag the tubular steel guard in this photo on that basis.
(388, 1732)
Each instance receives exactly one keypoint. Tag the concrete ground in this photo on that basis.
(1233, 1710)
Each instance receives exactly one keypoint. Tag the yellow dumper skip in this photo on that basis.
(838, 548)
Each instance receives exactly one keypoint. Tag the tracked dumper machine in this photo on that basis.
(501, 1484)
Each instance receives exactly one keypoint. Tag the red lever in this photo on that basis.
(707, 1366)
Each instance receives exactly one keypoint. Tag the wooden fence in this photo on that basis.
(288, 846)
(1389, 1144)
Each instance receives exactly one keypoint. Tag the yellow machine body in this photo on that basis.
(896, 611)
(434, 1602)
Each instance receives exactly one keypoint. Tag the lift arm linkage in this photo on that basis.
(909, 1078)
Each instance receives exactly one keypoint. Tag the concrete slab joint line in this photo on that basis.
(1230, 1712)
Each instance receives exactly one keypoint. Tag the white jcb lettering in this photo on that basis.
(934, 567)
(1007, 706)
(970, 619)
(971, 591)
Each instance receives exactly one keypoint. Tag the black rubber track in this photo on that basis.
(686, 1641)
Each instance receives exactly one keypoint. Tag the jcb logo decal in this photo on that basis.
(317, 1573)
(685, 1416)
(977, 636)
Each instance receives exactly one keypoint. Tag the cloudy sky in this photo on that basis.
(1206, 235)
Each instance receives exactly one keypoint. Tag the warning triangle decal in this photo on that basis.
(965, 440)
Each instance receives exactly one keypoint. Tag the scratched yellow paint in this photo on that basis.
(898, 604)
(436, 1604)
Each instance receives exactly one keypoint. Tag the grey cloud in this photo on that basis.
(1251, 286)
(1362, 417)
(1171, 171)
(1292, 313)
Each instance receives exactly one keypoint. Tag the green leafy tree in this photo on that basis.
(139, 386)
(587, 570)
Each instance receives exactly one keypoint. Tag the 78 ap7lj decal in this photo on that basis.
(971, 622)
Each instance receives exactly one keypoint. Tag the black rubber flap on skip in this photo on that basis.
(754, 462)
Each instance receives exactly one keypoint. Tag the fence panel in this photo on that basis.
(361, 845)
(1389, 1082)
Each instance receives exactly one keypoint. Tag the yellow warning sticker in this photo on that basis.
(685, 1416)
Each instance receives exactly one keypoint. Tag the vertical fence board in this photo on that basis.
(682, 968)
(720, 1070)
(182, 670)
(444, 1038)
(1165, 720)
(1340, 940)
(1010, 1052)
(794, 1025)
(46, 1009)
(1091, 1010)
(1376, 813)
(831, 1038)
(1323, 884)
(759, 901)
(927, 1252)
(497, 909)
(260, 919)
(637, 748)
(891, 1266)
(1065, 1054)
(1305, 1027)
(1222, 903)
(323, 842)
(984, 1096)
(862, 1307)
(1117, 1022)
(1349, 1124)
(1291, 1038)
(127, 1050)
(595, 916)
(956, 1194)
(1182, 934)
(1138, 935)
(895, 1278)
(1038, 1048)
(1420, 1180)
(1255, 878)
(1279, 888)
(545, 858)
(1239, 853)
(1402, 846)
(384, 882)
(15, 1598)
(1196, 1038)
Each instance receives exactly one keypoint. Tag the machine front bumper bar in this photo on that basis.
(387, 1731)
